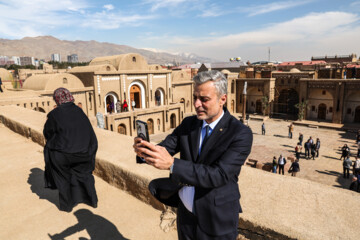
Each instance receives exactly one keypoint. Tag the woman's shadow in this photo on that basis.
(96, 226)
(37, 186)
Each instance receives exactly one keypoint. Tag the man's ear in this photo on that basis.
(222, 99)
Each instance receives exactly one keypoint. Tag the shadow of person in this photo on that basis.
(37, 185)
(96, 226)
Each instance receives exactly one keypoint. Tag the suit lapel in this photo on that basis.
(194, 139)
(216, 134)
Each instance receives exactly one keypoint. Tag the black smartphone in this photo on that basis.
(143, 133)
(142, 130)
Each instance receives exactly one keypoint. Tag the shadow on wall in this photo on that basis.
(37, 185)
(96, 226)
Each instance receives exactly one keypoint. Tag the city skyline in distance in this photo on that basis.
(293, 30)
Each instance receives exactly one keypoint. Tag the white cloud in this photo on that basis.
(274, 6)
(304, 35)
(109, 7)
(211, 11)
(157, 4)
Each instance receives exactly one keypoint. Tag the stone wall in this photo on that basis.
(275, 207)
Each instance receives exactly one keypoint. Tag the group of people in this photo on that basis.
(124, 107)
(280, 164)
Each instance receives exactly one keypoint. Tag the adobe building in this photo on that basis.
(129, 78)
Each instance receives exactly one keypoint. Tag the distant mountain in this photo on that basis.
(43, 46)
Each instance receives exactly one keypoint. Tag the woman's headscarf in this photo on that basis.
(62, 95)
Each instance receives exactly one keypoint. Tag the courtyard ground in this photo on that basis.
(326, 169)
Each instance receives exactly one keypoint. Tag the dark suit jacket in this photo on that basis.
(214, 174)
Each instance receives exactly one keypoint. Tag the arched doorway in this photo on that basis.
(110, 100)
(135, 95)
(258, 106)
(357, 115)
(150, 124)
(122, 129)
(287, 100)
(322, 111)
(159, 97)
(173, 121)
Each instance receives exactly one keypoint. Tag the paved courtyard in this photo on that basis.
(326, 169)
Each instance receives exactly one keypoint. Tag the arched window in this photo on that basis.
(150, 124)
(122, 129)
(134, 59)
(173, 121)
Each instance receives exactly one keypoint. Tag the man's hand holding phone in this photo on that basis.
(154, 155)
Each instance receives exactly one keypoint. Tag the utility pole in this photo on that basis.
(244, 102)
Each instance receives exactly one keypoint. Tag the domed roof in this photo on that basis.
(295, 70)
(130, 61)
(225, 71)
(50, 82)
(93, 68)
(5, 75)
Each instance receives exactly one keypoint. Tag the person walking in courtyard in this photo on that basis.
(357, 166)
(317, 147)
(307, 146)
(345, 152)
(301, 138)
(298, 149)
(358, 137)
(291, 130)
(313, 151)
(125, 106)
(294, 168)
(281, 164)
(263, 128)
(346, 166)
(275, 163)
(358, 153)
(311, 140)
(0, 85)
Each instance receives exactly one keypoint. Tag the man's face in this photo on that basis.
(207, 104)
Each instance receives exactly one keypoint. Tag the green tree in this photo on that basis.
(302, 106)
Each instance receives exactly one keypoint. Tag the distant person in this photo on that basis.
(281, 164)
(125, 106)
(69, 153)
(355, 183)
(346, 166)
(298, 149)
(345, 152)
(357, 166)
(311, 140)
(301, 138)
(317, 146)
(313, 150)
(294, 168)
(263, 128)
(275, 163)
(358, 153)
(158, 99)
(0, 85)
(118, 106)
(133, 104)
(358, 137)
(307, 147)
(291, 130)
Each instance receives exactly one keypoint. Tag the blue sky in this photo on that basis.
(294, 30)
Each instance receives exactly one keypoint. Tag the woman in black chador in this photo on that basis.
(69, 153)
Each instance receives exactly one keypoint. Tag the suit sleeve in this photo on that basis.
(226, 168)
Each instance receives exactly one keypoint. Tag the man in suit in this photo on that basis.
(203, 182)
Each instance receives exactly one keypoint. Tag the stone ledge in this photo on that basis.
(275, 206)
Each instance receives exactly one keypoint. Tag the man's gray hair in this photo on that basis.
(219, 79)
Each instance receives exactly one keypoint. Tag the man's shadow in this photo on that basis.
(96, 226)
(37, 185)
